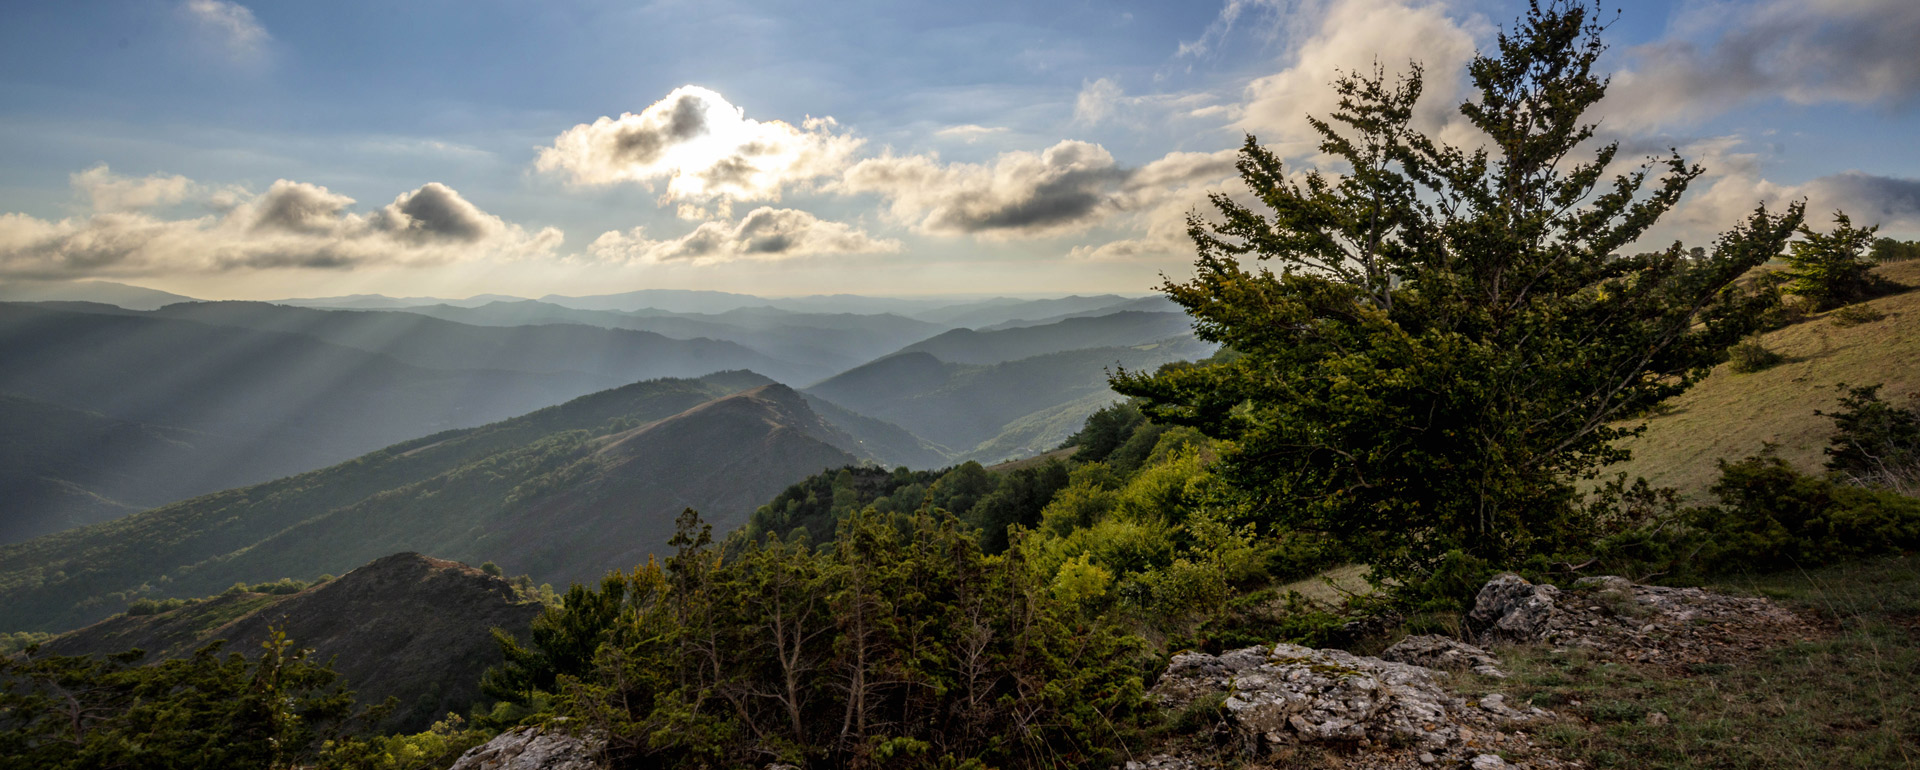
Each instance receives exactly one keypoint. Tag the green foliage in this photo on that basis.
(902, 644)
(1105, 431)
(1450, 334)
(433, 749)
(1875, 443)
(16, 641)
(155, 606)
(1752, 356)
(202, 713)
(1856, 314)
(1771, 517)
(1889, 250)
(1834, 269)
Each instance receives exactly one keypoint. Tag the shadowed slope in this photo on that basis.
(404, 625)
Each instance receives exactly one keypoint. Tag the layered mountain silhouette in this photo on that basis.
(562, 494)
(1114, 330)
(62, 467)
(998, 411)
(405, 625)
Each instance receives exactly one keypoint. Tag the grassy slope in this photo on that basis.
(1847, 700)
(1730, 416)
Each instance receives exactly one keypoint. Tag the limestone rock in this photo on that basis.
(534, 748)
(1433, 651)
(1192, 675)
(1511, 609)
(1617, 619)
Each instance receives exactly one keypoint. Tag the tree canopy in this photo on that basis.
(1442, 336)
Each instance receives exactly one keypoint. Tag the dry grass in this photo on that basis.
(1847, 701)
(1730, 415)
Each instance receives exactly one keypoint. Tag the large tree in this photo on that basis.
(1452, 335)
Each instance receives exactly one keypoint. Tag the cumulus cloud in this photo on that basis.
(232, 24)
(1155, 204)
(765, 234)
(1060, 189)
(292, 224)
(106, 191)
(704, 148)
(1891, 202)
(1352, 36)
(1717, 57)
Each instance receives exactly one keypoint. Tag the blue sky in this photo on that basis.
(266, 149)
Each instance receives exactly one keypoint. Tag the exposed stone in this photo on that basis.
(1489, 762)
(1292, 695)
(1192, 675)
(1509, 608)
(1433, 651)
(1617, 619)
(534, 748)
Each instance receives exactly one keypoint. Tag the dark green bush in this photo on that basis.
(1751, 356)
(1856, 315)
(1772, 517)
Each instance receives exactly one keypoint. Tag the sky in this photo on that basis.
(257, 150)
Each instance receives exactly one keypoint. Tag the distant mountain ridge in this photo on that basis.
(62, 467)
(562, 494)
(104, 292)
(1114, 330)
(998, 411)
(405, 625)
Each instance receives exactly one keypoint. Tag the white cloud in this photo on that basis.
(1719, 55)
(107, 192)
(291, 225)
(232, 24)
(970, 133)
(765, 234)
(1352, 36)
(705, 148)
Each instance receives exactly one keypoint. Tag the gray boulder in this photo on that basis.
(1510, 609)
(1442, 653)
(534, 748)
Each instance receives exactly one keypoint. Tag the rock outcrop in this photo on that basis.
(1615, 618)
(1286, 697)
(534, 748)
(1439, 652)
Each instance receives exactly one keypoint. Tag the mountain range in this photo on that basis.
(564, 493)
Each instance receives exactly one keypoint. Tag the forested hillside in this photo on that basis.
(564, 493)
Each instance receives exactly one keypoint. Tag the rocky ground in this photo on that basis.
(1433, 702)
(1426, 702)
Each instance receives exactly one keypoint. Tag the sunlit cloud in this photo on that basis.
(1718, 57)
(704, 148)
(764, 235)
(291, 225)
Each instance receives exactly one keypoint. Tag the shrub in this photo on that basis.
(1875, 443)
(1772, 517)
(1751, 356)
(1856, 314)
(155, 606)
